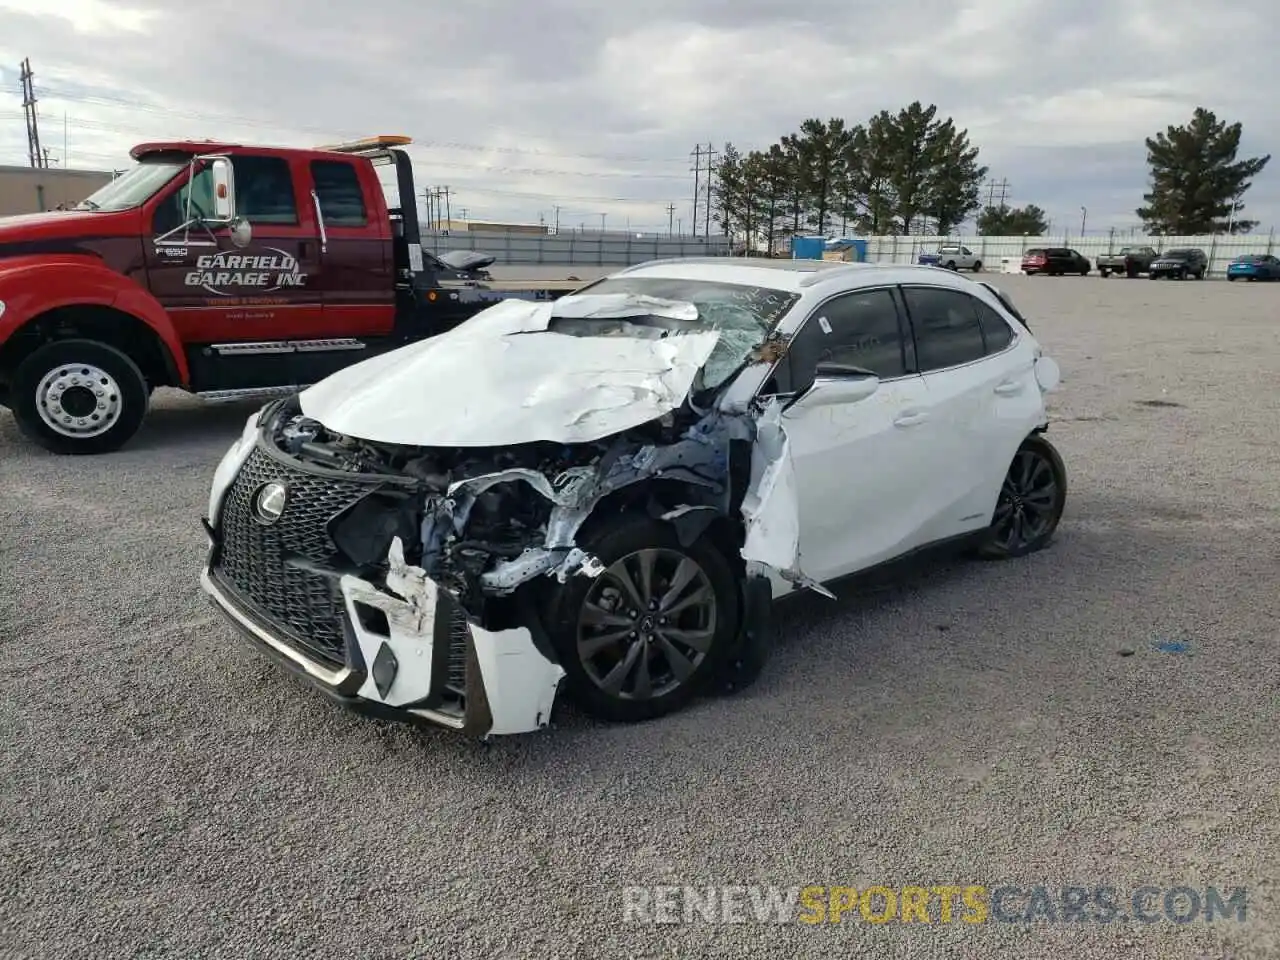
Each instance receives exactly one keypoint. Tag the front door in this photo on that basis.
(860, 467)
(217, 293)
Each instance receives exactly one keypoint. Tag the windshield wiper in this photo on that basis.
(86, 205)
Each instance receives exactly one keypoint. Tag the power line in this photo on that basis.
(37, 156)
(103, 100)
(697, 169)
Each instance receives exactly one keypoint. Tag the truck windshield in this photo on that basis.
(743, 314)
(134, 187)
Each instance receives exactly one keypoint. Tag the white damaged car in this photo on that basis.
(604, 495)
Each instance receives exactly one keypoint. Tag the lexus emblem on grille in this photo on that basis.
(268, 505)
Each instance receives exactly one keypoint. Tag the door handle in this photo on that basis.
(1009, 388)
(910, 419)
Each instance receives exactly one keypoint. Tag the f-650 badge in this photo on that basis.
(229, 274)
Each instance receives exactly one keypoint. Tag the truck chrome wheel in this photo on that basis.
(646, 624)
(78, 400)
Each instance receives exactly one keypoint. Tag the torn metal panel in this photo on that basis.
(520, 684)
(400, 660)
(771, 507)
(504, 378)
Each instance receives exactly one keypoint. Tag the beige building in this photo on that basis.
(32, 190)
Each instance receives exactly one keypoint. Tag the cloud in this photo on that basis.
(576, 108)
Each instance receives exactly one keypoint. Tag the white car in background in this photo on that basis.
(607, 493)
(953, 256)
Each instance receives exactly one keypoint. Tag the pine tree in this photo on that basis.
(1196, 180)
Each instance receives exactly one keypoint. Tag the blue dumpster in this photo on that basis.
(808, 248)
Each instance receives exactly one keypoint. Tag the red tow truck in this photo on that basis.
(225, 270)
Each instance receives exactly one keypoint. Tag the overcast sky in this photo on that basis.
(520, 106)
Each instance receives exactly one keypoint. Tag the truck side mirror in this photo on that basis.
(224, 190)
(241, 233)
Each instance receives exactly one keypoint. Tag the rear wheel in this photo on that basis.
(79, 397)
(1104, 272)
(951, 264)
(647, 635)
(1031, 502)
(977, 266)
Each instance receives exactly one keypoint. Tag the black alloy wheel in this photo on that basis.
(645, 636)
(1030, 504)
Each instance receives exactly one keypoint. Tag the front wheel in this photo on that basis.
(79, 397)
(977, 266)
(644, 637)
(1030, 504)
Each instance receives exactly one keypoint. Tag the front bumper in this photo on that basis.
(510, 687)
(400, 649)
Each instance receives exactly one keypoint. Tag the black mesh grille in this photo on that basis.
(253, 559)
(457, 682)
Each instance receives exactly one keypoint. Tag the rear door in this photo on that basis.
(357, 282)
(984, 399)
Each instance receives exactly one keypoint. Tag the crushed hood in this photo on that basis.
(504, 378)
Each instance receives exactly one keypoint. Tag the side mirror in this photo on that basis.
(224, 190)
(241, 233)
(838, 383)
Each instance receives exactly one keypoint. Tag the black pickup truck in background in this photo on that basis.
(1130, 261)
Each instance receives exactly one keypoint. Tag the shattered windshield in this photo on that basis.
(743, 314)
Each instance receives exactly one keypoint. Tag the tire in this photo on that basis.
(1131, 273)
(1047, 485)
(1182, 274)
(977, 266)
(1104, 272)
(79, 369)
(951, 264)
(1084, 272)
(1201, 272)
(624, 543)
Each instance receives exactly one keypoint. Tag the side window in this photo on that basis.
(946, 327)
(264, 190)
(341, 199)
(172, 213)
(861, 329)
(996, 331)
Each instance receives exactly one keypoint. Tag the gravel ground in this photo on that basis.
(166, 792)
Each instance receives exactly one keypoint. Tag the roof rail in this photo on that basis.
(368, 144)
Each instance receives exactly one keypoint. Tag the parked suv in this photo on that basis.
(1182, 263)
(447, 532)
(1055, 261)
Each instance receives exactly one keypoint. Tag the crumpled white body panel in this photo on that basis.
(502, 378)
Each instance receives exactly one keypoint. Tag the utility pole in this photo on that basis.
(602, 216)
(671, 212)
(711, 153)
(427, 195)
(992, 185)
(557, 213)
(463, 213)
(448, 216)
(37, 156)
(697, 168)
(1084, 215)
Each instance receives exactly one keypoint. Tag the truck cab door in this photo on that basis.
(237, 308)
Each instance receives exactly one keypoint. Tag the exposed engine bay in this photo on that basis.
(483, 521)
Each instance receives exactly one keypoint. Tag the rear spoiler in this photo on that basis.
(1006, 302)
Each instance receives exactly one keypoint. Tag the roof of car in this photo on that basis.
(794, 276)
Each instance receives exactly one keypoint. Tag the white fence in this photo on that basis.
(1220, 249)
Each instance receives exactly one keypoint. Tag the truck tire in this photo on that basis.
(1104, 272)
(977, 266)
(79, 397)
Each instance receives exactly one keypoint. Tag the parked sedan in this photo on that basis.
(1055, 261)
(954, 257)
(1182, 263)
(608, 492)
(1254, 266)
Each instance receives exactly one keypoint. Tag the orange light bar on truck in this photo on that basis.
(368, 144)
